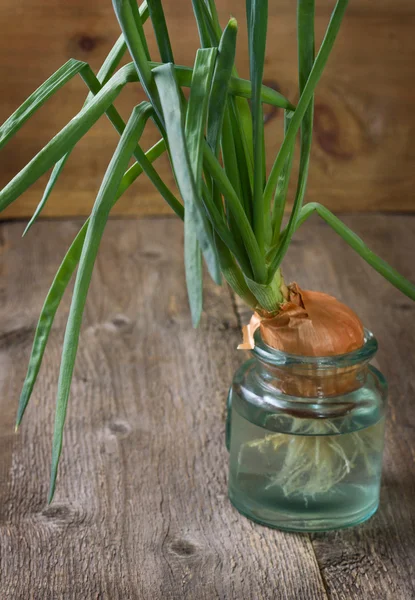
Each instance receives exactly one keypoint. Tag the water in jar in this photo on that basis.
(307, 474)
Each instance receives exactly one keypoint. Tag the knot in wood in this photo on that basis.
(183, 547)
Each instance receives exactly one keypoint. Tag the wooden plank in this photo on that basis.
(141, 509)
(363, 153)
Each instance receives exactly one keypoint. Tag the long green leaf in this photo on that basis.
(221, 229)
(237, 87)
(66, 138)
(305, 27)
(197, 109)
(239, 107)
(130, 22)
(316, 72)
(257, 17)
(113, 59)
(281, 191)
(106, 71)
(160, 30)
(214, 17)
(179, 154)
(233, 274)
(194, 273)
(138, 154)
(119, 125)
(98, 220)
(230, 161)
(157, 181)
(241, 220)
(234, 159)
(140, 15)
(205, 35)
(217, 133)
(61, 281)
(210, 27)
(219, 91)
(95, 85)
(243, 162)
(38, 98)
(194, 132)
(355, 242)
(47, 316)
(56, 171)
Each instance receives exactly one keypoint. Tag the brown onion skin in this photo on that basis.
(312, 324)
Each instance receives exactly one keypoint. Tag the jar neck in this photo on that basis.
(314, 377)
(305, 382)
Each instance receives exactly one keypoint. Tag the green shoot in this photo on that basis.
(355, 242)
(96, 226)
(61, 281)
(194, 129)
(306, 96)
(257, 17)
(305, 27)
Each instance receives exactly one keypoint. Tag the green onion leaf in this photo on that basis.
(214, 17)
(281, 191)
(219, 128)
(67, 138)
(221, 229)
(305, 27)
(233, 274)
(222, 181)
(179, 154)
(160, 30)
(38, 98)
(257, 17)
(316, 72)
(196, 116)
(105, 73)
(47, 316)
(130, 22)
(197, 110)
(355, 242)
(56, 171)
(61, 282)
(206, 32)
(237, 87)
(98, 220)
(158, 183)
(221, 79)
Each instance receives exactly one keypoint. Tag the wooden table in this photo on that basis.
(141, 508)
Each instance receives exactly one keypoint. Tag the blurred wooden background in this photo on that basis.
(364, 149)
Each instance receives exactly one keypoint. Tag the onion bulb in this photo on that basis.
(308, 324)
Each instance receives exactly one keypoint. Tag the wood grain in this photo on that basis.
(363, 152)
(141, 510)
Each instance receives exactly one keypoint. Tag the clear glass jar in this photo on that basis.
(305, 436)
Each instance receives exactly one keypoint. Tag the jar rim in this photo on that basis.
(279, 358)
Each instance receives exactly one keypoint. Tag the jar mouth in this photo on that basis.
(279, 358)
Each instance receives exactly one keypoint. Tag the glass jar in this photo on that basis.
(305, 436)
